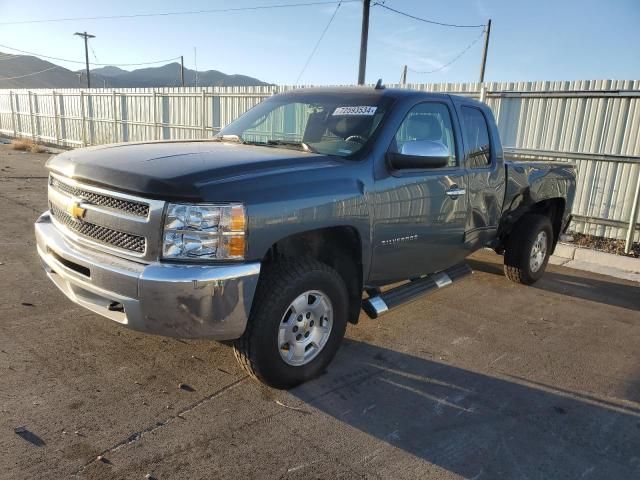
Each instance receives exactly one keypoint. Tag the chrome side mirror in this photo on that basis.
(420, 154)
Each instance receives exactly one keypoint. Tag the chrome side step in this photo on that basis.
(376, 305)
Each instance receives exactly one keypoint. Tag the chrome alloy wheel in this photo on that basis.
(538, 252)
(305, 328)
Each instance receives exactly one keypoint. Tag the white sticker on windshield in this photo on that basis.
(359, 110)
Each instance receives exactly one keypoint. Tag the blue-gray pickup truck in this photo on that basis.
(277, 232)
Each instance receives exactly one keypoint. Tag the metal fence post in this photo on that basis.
(633, 218)
(83, 119)
(36, 116)
(13, 114)
(204, 115)
(56, 117)
(114, 111)
(155, 117)
(31, 119)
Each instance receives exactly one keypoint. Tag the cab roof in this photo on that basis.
(395, 93)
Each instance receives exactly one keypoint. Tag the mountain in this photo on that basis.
(42, 74)
(18, 66)
(169, 75)
(109, 71)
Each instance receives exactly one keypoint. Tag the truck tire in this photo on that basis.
(297, 322)
(528, 249)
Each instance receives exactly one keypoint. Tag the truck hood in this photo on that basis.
(179, 170)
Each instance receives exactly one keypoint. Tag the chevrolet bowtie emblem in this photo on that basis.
(75, 210)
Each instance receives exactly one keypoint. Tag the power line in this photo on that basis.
(29, 74)
(433, 22)
(94, 53)
(187, 12)
(452, 60)
(92, 63)
(318, 42)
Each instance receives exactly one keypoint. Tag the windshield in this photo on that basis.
(327, 123)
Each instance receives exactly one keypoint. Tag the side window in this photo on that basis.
(476, 134)
(426, 126)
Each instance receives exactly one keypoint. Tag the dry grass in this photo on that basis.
(608, 245)
(27, 145)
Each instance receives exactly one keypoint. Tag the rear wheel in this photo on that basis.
(528, 249)
(297, 323)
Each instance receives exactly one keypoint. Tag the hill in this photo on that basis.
(37, 73)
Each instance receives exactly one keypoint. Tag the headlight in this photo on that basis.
(204, 232)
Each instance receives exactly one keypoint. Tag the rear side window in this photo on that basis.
(476, 132)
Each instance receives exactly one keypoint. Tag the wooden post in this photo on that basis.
(182, 70)
(485, 50)
(364, 39)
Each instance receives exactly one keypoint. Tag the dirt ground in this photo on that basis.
(483, 380)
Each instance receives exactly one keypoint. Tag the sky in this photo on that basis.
(530, 40)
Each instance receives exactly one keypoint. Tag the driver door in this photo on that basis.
(420, 212)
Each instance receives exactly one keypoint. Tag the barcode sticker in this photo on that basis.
(359, 110)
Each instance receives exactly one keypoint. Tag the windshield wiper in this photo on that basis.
(304, 145)
(267, 143)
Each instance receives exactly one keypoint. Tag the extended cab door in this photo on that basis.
(420, 205)
(485, 173)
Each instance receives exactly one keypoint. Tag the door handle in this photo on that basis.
(455, 191)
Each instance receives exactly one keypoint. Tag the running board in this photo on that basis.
(376, 305)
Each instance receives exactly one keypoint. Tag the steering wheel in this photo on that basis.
(356, 138)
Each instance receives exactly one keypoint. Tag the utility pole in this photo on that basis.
(364, 37)
(182, 69)
(487, 32)
(403, 79)
(86, 37)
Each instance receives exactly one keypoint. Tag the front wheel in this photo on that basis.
(297, 323)
(528, 249)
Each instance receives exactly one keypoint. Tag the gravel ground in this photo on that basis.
(485, 380)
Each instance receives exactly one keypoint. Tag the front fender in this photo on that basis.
(293, 208)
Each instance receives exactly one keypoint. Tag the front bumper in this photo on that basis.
(188, 301)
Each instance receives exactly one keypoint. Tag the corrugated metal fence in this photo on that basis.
(595, 124)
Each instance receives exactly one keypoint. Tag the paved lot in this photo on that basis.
(484, 380)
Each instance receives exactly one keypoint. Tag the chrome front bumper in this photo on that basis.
(188, 301)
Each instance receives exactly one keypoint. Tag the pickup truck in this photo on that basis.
(275, 233)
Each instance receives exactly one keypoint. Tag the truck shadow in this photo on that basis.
(613, 292)
(476, 425)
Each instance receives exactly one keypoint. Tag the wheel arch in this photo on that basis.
(554, 208)
(340, 247)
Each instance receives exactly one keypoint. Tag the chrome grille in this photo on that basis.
(126, 206)
(108, 220)
(108, 236)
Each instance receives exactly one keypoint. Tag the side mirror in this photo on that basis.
(420, 154)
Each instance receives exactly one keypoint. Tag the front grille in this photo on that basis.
(114, 238)
(126, 206)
